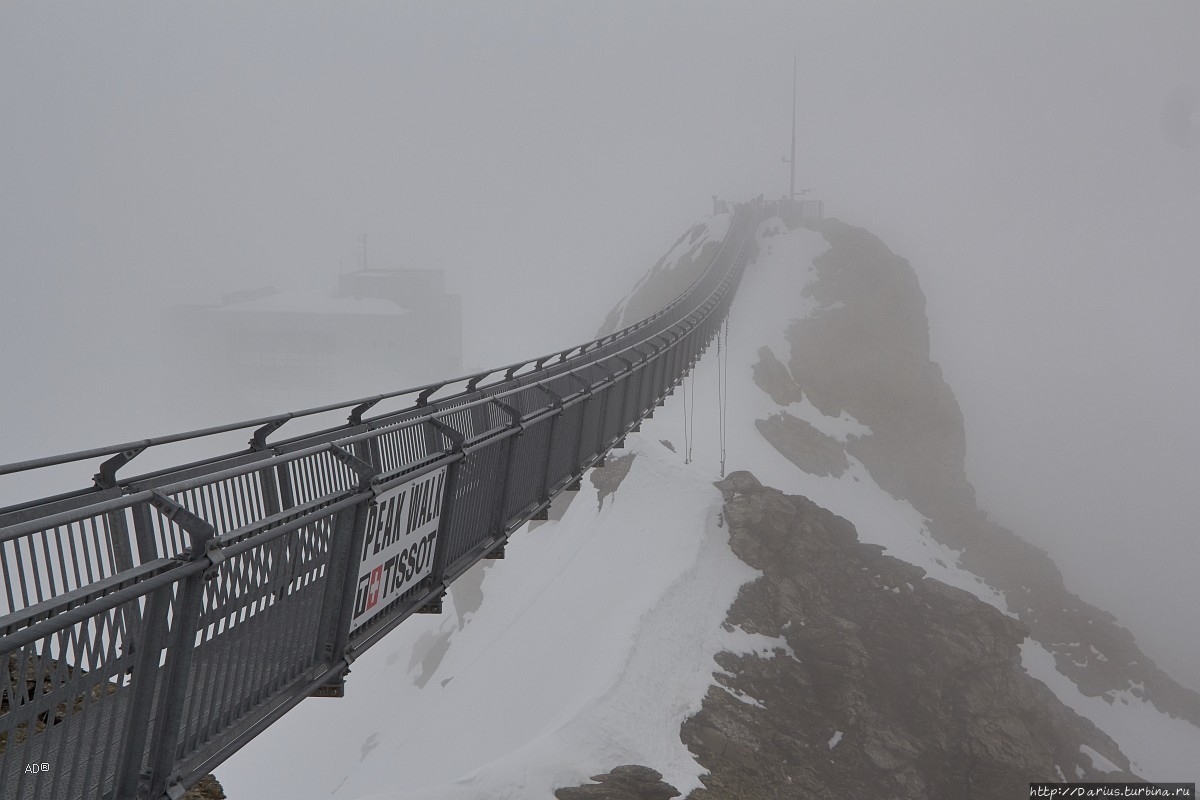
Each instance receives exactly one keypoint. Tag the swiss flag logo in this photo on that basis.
(374, 586)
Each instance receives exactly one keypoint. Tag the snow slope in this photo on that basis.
(595, 636)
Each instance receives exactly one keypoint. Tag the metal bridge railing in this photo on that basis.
(156, 624)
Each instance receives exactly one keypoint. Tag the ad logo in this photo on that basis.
(373, 588)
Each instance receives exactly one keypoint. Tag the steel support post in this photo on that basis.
(177, 668)
(551, 441)
(479, 419)
(431, 438)
(270, 490)
(658, 375)
(287, 495)
(345, 553)
(117, 532)
(640, 375)
(500, 518)
(577, 459)
(623, 416)
(341, 583)
(605, 391)
(367, 450)
(450, 495)
(143, 532)
(130, 781)
(677, 357)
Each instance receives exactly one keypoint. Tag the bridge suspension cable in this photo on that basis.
(722, 386)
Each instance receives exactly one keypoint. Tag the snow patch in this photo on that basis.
(768, 300)
(1099, 762)
(593, 644)
(597, 633)
(1159, 747)
(841, 427)
(741, 696)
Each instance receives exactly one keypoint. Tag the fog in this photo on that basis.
(1030, 160)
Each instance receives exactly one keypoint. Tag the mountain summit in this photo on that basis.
(835, 617)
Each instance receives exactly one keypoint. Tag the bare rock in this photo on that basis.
(866, 351)
(207, 788)
(803, 445)
(630, 782)
(772, 377)
(885, 683)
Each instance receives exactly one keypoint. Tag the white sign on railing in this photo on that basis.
(399, 543)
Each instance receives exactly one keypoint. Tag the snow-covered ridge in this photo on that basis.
(1155, 742)
(594, 639)
(593, 643)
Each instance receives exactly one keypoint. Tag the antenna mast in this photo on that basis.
(792, 160)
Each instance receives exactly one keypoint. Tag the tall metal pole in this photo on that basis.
(792, 192)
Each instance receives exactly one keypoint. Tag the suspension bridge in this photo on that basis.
(155, 624)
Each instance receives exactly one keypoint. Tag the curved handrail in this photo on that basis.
(360, 405)
(144, 589)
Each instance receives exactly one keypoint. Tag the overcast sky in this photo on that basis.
(545, 155)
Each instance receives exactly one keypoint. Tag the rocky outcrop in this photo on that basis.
(773, 378)
(885, 682)
(865, 351)
(207, 788)
(804, 445)
(630, 782)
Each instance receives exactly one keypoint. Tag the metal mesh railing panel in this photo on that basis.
(43, 564)
(400, 447)
(256, 633)
(63, 703)
(615, 410)
(473, 512)
(564, 453)
(529, 462)
(317, 476)
(226, 504)
(589, 438)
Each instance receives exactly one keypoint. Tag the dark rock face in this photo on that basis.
(804, 445)
(773, 378)
(900, 686)
(866, 352)
(885, 683)
(206, 789)
(629, 782)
